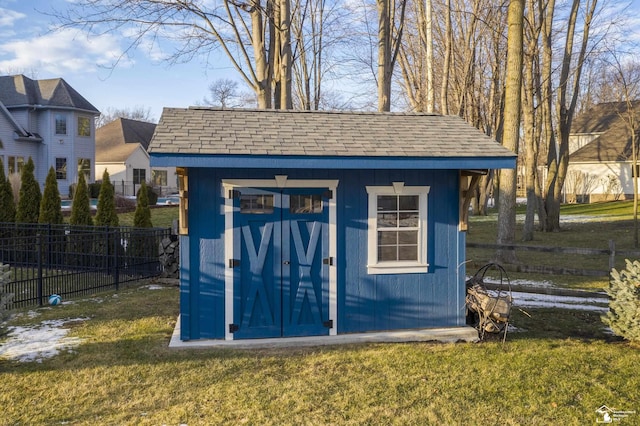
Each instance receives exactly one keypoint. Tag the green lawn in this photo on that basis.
(161, 217)
(558, 369)
(591, 226)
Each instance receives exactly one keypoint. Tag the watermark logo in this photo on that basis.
(605, 415)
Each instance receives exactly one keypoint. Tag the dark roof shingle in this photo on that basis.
(20, 91)
(319, 133)
(609, 121)
(116, 141)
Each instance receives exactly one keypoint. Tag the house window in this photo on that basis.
(397, 229)
(61, 124)
(159, 177)
(61, 168)
(84, 166)
(139, 176)
(15, 164)
(84, 126)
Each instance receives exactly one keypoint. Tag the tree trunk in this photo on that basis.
(513, 90)
(446, 65)
(284, 33)
(566, 106)
(428, 21)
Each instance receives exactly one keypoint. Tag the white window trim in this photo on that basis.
(401, 267)
(233, 252)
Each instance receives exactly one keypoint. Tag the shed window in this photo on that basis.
(256, 204)
(397, 229)
(311, 203)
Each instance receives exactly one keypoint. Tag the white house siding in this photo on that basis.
(593, 181)
(117, 171)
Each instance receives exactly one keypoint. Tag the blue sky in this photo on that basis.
(28, 46)
(142, 79)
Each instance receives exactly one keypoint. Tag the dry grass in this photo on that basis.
(558, 371)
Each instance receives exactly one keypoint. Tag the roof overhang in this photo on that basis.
(330, 162)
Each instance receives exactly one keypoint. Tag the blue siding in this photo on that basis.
(365, 302)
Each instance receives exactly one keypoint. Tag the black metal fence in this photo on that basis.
(75, 261)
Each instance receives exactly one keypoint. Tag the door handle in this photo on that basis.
(286, 262)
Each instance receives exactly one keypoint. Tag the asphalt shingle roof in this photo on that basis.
(217, 131)
(21, 91)
(609, 121)
(117, 140)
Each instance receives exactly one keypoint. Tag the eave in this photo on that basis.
(331, 162)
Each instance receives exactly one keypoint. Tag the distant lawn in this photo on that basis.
(161, 217)
(591, 226)
(558, 369)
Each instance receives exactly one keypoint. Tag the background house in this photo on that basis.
(310, 223)
(121, 149)
(600, 161)
(50, 122)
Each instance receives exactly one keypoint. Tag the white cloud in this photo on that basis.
(62, 52)
(8, 17)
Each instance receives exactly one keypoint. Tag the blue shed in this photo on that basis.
(307, 223)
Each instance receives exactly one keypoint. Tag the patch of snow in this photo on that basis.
(520, 282)
(35, 343)
(155, 287)
(531, 300)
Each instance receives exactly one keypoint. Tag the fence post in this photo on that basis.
(116, 270)
(612, 254)
(39, 262)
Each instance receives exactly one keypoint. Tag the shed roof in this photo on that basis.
(199, 136)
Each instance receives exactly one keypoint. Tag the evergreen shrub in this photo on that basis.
(624, 302)
(30, 196)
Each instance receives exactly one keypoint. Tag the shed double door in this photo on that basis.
(283, 287)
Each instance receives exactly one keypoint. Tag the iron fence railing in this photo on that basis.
(75, 261)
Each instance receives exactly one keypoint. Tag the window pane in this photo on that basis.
(61, 124)
(84, 166)
(305, 203)
(386, 238)
(408, 202)
(11, 164)
(407, 237)
(84, 126)
(409, 220)
(20, 164)
(139, 176)
(387, 254)
(387, 203)
(256, 204)
(387, 220)
(61, 168)
(159, 177)
(408, 253)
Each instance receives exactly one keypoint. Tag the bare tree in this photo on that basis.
(138, 112)
(511, 133)
(253, 34)
(225, 93)
(566, 101)
(391, 14)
